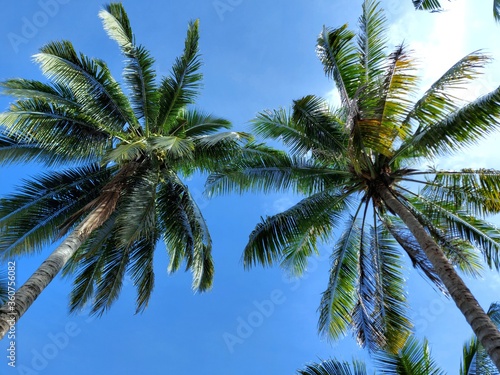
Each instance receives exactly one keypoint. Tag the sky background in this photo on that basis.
(257, 55)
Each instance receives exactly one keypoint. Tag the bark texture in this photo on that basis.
(486, 332)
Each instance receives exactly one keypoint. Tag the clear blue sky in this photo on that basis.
(257, 55)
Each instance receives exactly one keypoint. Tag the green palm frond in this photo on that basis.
(141, 269)
(291, 231)
(185, 232)
(418, 258)
(372, 41)
(475, 190)
(196, 123)
(389, 295)
(139, 74)
(306, 129)
(459, 224)
(14, 150)
(137, 212)
(274, 172)
(398, 86)
(462, 128)
(338, 54)
(90, 80)
(110, 282)
(173, 147)
(496, 10)
(334, 367)
(60, 130)
(31, 218)
(414, 358)
(339, 298)
(51, 93)
(181, 88)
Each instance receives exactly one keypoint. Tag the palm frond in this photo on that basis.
(285, 233)
(185, 232)
(31, 218)
(372, 41)
(414, 358)
(139, 74)
(475, 190)
(180, 89)
(91, 82)
(60, 130)
(339, 298)
(334, 367)
(462, 128)
(337, 52)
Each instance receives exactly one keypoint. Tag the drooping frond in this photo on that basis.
(293, 230)
(449, 224)
(31, 218)
(185, 232)
(474, 190)
(339, 298)
(418, 258)
(181, 88)
(496, 10)
(87, 264)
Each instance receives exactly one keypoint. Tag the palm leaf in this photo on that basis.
(334, 367)
(91, 82)
(285, 232)
(139, 73)
(339, 298)
(414, 358)
(180, 89)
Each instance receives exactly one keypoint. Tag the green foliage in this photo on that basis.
(122, 155)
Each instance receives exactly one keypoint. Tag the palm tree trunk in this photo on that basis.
(486, 332)
(34, 286)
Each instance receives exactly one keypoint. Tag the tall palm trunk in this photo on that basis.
(486, 332)
(34, 286)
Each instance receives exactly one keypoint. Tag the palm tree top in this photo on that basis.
(125, 147)
(349, 162)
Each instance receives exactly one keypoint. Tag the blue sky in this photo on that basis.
(257, 55)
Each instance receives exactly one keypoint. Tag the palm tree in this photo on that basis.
(435, 6)
(121, 189)
(358, 164)
(414, 358)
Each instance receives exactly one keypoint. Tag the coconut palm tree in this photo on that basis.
(435, 6)
(359, 165)
(120, 190)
